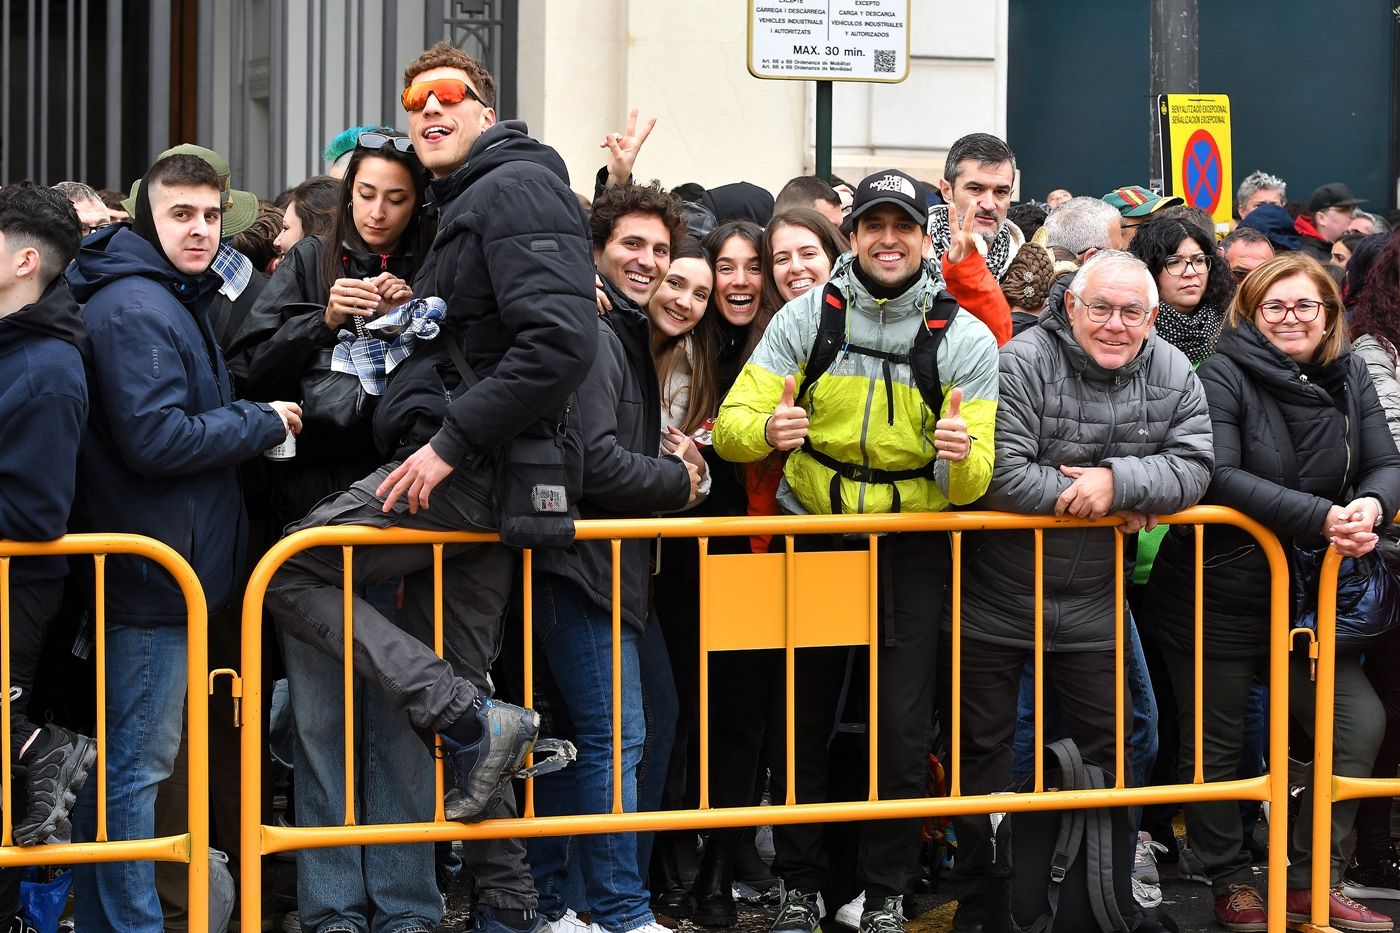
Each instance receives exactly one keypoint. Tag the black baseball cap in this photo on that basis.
(891, 187)
(1332, 194)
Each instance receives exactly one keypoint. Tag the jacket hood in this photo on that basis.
(1055, 319)
(858, 298)
(55, 314)
(117, 253)
(1269, 366)
(507, 141)
(741, 200)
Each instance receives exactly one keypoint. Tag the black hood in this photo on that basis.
(741, 200)
(1270, 367)
(117, 252)
(504, 142)
(55, 314)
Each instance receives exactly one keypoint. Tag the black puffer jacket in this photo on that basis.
(1146, 421)
(1342, 452)
(619, 418)
(513, 260)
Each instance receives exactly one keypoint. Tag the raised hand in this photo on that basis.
(787, 426)
(950, 437)
(623, 148)
(964, 238)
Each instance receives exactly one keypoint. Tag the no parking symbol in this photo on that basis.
(1201, 169)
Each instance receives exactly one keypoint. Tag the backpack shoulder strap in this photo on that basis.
(1098, 860)
(923, 355)
(1071, 835)
(831, 334)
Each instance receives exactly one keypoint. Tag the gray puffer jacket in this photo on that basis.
(1147, 421)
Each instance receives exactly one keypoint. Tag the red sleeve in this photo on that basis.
(976, 289)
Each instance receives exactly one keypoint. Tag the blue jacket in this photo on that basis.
(165, 435)
(43, 406)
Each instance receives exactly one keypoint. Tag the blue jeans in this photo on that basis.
(661, 708)
(145, 705)
(1142, 743)
(575, 636)
(380, 888)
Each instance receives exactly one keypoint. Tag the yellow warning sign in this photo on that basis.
(1195, 131)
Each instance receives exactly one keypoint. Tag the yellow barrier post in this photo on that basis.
(191, 847)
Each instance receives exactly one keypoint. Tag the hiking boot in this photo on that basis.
(801, 913)
(887, 918)
(1189, 867)
(1343, 912)
(484, 768)
(1145, 860)
(1241, 910)
(1373, 877)
(55, 767)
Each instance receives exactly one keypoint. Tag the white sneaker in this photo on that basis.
(1146, 895)
(849, 914)
(1145, 860)
(569, 923)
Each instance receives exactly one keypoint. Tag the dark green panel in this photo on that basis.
(1310, 90)
(1078, 114)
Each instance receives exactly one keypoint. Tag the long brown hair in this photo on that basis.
(702, 345)
(1268, 274)
(824, 230)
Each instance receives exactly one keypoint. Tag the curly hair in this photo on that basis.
(1157, 241)
(447, 55)
(1377, 310)
(1268, 274)
(620, 200)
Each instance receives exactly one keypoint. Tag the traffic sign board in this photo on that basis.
(1196, 151)
(829, 40)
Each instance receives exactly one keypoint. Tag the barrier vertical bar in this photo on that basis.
(617, 673)
(99, 625)
(873, 716)
(197, 765)
(1279, 828)
(527, 655)
(1039, 661)
(704, 549)
(348, 666)
(439, 813)
(6, 792)
(250, 755)
(1323, 737)
(1118, 724)
(1198, 660)
(790, 668)
(955, 790)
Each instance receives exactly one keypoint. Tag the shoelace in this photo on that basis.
(1243, 897)
(881, 921)
(1147, 850)
(797, 909)
(1347, 902)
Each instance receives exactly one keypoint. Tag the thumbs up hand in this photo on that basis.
(950, 437)
(787, 426)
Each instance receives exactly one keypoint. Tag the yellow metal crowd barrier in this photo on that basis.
(787, 600)
(191, 847)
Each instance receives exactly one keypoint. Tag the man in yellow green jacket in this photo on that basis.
(885, 394)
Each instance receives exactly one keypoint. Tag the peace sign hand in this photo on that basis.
(964, 241)
(623, 148)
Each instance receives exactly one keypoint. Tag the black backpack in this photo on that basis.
(922, 358)
(1065, 870)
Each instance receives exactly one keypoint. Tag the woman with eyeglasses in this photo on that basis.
(1301, 446)
(327, 285)
(1194, 284)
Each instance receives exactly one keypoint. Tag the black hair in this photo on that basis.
(315, 202)
(1028, 216)
(42, 218)
(184, 170)
(690, 191)
(804, 191)
(982, 148)
(620, 200)
(416, 237)
(1157, 241)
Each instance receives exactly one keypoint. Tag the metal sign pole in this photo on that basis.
(824, 130)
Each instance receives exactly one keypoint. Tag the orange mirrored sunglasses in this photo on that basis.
(446, 90)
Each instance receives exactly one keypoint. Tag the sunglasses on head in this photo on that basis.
(447, 91)
(377, 141)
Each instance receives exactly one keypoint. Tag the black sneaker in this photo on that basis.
(1373, 878)
(887, 918)
(484, 768)
(801, 912)
(55, 768)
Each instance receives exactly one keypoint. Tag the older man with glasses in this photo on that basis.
(1140, 446)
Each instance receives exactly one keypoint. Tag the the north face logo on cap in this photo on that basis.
(893, 183)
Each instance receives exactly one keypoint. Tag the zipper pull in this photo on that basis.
(384, 263)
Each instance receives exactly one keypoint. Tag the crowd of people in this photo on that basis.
(441, 334)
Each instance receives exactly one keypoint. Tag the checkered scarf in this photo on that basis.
(386, 342)
(234, 268)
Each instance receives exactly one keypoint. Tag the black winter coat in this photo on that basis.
(619, 418)
(513, 260)
(1342, 453)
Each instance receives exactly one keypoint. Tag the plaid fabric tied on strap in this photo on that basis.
(386, 342)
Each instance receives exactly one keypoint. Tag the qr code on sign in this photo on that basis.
(884, 61)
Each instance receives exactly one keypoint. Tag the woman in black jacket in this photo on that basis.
(1282, 367)
(324, 286)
